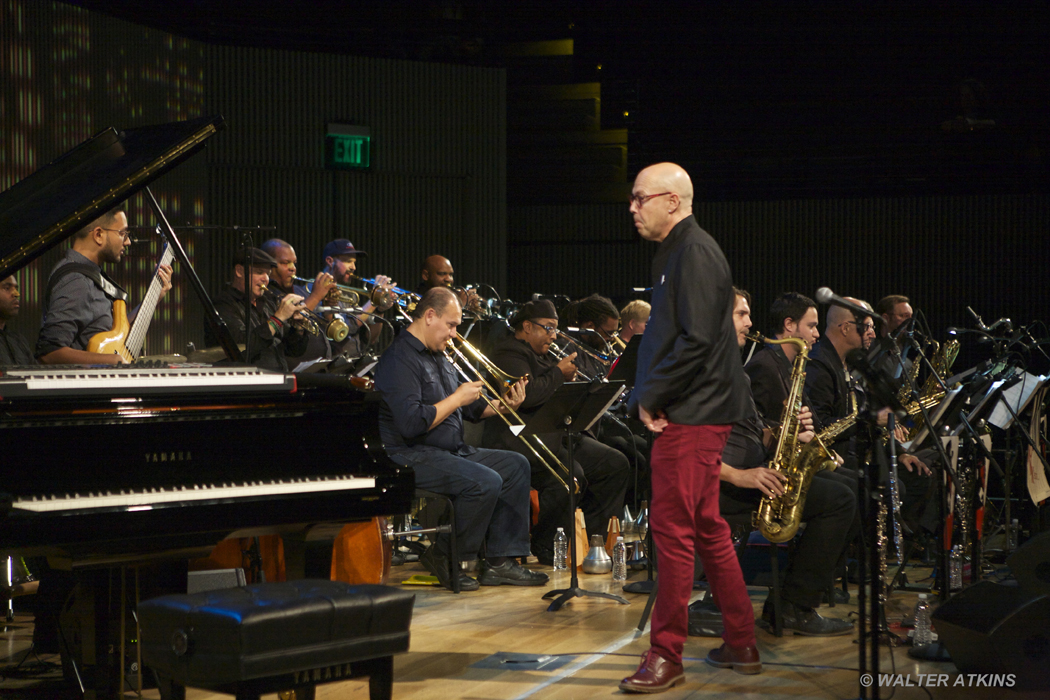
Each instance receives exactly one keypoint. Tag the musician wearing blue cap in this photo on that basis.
(340, 260)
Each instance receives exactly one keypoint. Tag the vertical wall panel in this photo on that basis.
(989, 252)
(66, 74)
(437, 181)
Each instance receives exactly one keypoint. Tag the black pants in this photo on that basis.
(603, 474)
(828, 513)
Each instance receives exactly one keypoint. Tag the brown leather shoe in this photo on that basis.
(654, 675)
(743, 660)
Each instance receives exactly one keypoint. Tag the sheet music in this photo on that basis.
(1018, 397)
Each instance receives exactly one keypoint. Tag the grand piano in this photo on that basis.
(105, 469)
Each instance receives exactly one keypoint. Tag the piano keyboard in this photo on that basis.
(120, 381)
(145, 500)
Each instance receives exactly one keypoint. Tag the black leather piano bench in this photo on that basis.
(272, 637)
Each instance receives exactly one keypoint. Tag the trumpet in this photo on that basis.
(310, 322)
(351, 296)
(559, 354)
(602, 358)
(404, 300)
(456, 357)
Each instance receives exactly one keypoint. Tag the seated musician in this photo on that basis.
(340, 261)
(274, 336)
(598, 320)
(601, 471)
(633, 318)
(282, 281)
(14, 348)
(80, 296)
(828, 382)
(421, 417)
(437, 272)
(828, 512)
(919, 506)
(792, 315)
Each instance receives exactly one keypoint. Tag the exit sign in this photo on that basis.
(348, 147)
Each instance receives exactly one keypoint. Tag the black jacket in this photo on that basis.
(827, 392)
(267, 350)
(517, 358)
(689, 361)
(770, 373)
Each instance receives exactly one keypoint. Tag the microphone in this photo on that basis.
(1005, 322)
(824, 295)
(641, 290)
(977, 317)
(573, 329)
(906, 330)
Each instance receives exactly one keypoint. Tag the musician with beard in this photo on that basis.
(828, 513)
(282, 282)
(602, 471)
(80, 295)
(274, 336)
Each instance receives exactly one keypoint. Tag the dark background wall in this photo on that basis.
(870, 147)
(437, 182)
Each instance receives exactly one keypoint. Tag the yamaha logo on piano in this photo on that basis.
(168, 456)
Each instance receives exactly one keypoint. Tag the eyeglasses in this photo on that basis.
(863, 328)
(640, 199)
(550, 330)
(125, 233)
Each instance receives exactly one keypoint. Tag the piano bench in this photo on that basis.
(270, 637)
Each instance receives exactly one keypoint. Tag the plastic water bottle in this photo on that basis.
(619, 569)
(955, 566)
(922, 622)
(1011, 535)
(561, 549)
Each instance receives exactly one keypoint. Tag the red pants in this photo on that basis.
(684, 517)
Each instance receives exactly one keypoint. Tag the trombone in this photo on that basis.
(506, 381)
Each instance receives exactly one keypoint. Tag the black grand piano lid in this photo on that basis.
(47, 207)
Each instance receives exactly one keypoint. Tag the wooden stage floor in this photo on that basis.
(596, 643)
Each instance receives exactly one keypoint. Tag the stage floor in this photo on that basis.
(593, 644)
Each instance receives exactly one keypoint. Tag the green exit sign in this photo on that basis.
(348, 147)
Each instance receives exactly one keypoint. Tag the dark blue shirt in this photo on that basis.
(411, 380)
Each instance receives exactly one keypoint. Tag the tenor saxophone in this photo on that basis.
(779, 517)
(773, 518)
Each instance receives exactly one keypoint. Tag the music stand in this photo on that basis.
(626, 364)
(573, 408)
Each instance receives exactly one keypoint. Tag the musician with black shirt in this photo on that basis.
(14, 349)
(79, 303)
(282, 281)
(274, 336)
(792, 315)
(602, 471)
(828, 512)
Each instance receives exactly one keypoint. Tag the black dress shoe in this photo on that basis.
(841, 597)
(438, 564)
(511, 573)
(805, 621)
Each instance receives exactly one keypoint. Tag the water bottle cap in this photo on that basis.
(619, 540)
(561, 529)
(922, 596)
